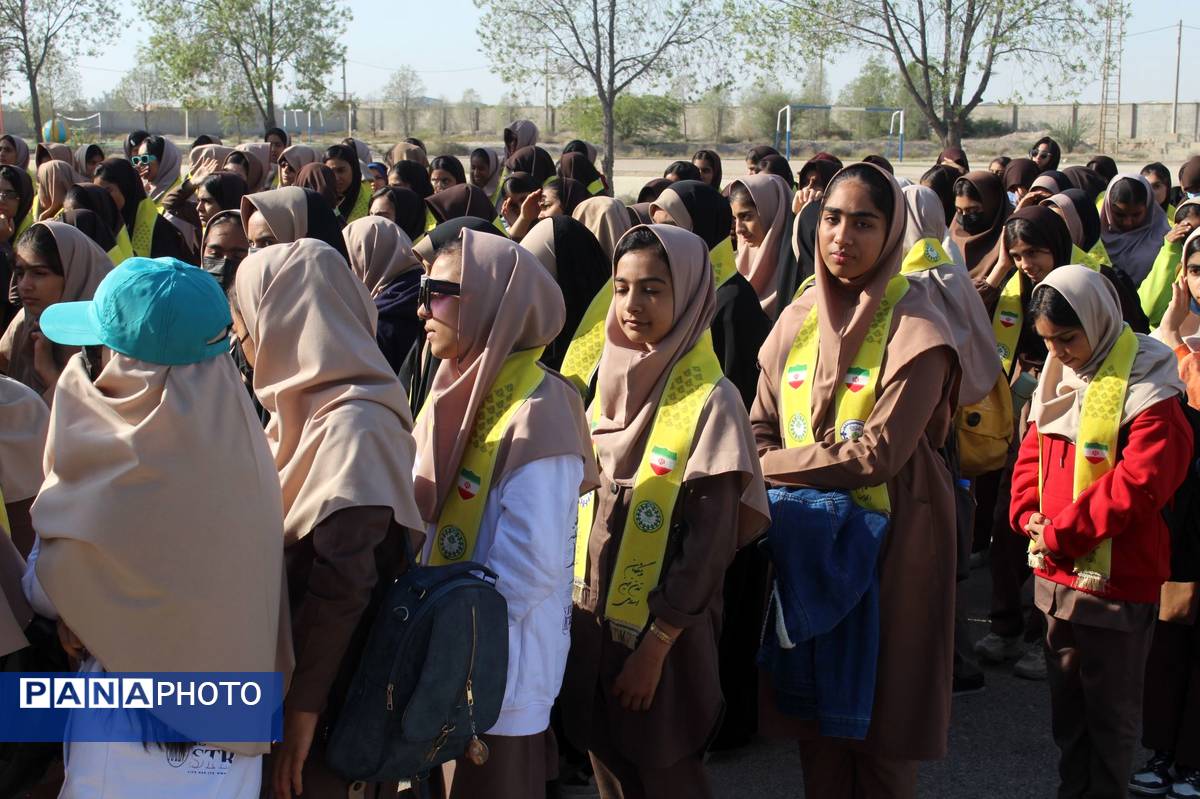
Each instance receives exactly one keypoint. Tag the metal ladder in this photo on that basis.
(1110, 77)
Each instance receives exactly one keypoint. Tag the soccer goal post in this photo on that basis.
(784, 119)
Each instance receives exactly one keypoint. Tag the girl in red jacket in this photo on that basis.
(1107, 446)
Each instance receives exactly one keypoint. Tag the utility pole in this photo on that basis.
(1175, 102)
(546, 101)
(346, 100)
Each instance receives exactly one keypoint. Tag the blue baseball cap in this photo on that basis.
(158, 310)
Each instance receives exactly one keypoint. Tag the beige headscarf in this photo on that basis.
(299, 155)
(540, 241)
(52, 151)
(23, 423)
(523, 132)
(495, 167)
(846, 312)
(405, 151)
(217, 152)
(1058, 400)
(606, 218)
(632, 379)
(953, 293)
(509, 303)
(258, 152)
(15, 614)
(84, 266)
(773, 198)
(54, 179)
(1066, 209)
(159, 522)
(340, 424)
(80, 157)
(285, 210)
(379, 252)
(168, 172)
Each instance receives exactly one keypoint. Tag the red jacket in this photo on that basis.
(1153, 453)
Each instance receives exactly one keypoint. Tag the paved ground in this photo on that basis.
(1000, 744)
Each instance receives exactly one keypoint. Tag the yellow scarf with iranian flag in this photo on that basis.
(1096, 451)
(656, 485)
(1007, 321)
(458, 523)
(583, 353)
(855, 396)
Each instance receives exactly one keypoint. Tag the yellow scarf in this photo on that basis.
(925, 254)
(1007, 321)
(142, 239)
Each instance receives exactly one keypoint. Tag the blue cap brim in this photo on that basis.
(69, 323)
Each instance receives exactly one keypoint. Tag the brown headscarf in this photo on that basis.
(522, 133)
(22, 149)
(182, 522)
(379, 252)
(980, 249)
(846, 312)
(299, 155)
(1189, 173)
(52, 151)
(23, 423)
(957, 157)
(460, 200)
(258, 153)
(81, 157)
(340, 424)
(509, 303)
(285, 210)
(1021, 172)
(606, 218)
(84, 266)
(632, 379)
(319, 178)
(168, 171)
(405, 151)
(773, 198)
(55, 178)
(1069, 215)
(952, 292)
(1058, 400)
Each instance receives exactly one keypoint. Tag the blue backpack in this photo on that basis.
(432, 675)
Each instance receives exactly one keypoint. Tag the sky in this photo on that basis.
(449, 67)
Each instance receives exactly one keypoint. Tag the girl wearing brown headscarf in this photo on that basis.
(858, 255)
(51, 151)
(762, 212)
(982, 206)
(522, 133)
(491, 309)
(461, 200)
(606, 218)
(955, 157)
(54, 179)
(407, 151)
(340, 433)
(381, 256)
(319, 178)
(14, 151)
(678, 474)
(289, 214)
(292, 160)
(55, 263)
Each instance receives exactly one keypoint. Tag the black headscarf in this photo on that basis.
(712, 218)
(415, 175)
(577, 167)
(778, 165)
(1061, 181)
(121, 173)
(227, 188)
(341, 152)
(881, 162)
(1105, 167)
(823, 168)
(319, 178)
(133, 141)
(91, 197)
(682, 170)
(1160, 171)
(1088, 180)
(1055, 152)
(461, 200)
(281, 133)
(323, 223)
(570, 193)
(534, 160)
(651, 190)
(1020, 172)
(714, 160)
(408, 207)
(760, 152)
(583, 271)
(1089, 216)
(806, 241)
(92, 226)
(204, 139)
(450, 164)
(580, 146)
(1052, 227)
(941, 179)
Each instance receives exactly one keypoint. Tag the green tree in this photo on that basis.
(36, 33)
(875, 86)
(141, 89)
(611, 45)
(635, 117)
(763, 109)
(405, 90)
(272, 43)
(945, 53)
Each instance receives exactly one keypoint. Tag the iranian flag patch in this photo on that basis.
(1008, 318)
(796, 375)
(1094, 452)
(857, 379)
(662, 460)
(468, 484)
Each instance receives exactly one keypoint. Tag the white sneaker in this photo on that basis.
(998, 648)
(1032, 665)
(1186, 785)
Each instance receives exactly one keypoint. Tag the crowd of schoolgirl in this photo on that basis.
(729, 450)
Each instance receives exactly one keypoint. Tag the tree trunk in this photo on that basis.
(35, 106)
(606, 106)
(269, 117)
(954, 131)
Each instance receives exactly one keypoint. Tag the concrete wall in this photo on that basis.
(1146, 121)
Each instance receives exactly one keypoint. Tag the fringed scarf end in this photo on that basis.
(1092, 581)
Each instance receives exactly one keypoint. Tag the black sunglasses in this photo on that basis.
(429, 287)
(1036, 154)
